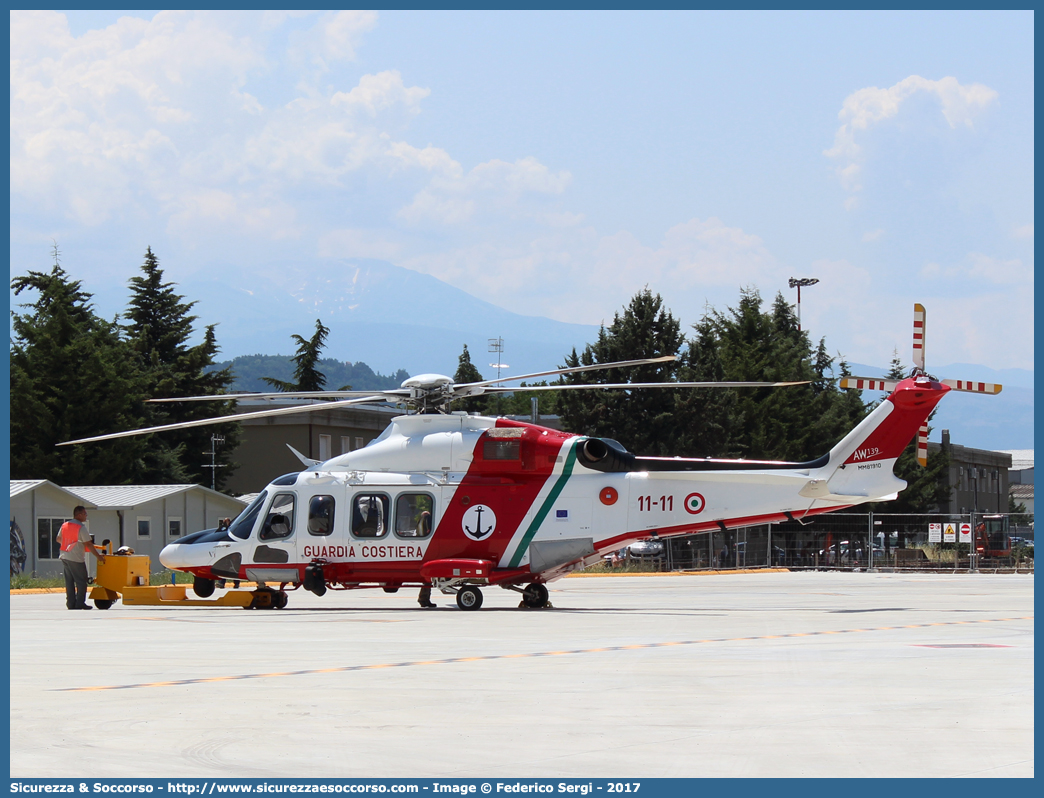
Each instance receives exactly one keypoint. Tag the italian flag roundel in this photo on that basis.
(694, 503)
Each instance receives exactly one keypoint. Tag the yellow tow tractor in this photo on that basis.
(126, 575)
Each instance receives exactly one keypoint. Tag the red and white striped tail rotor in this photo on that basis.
(867, 384)
(918, 336)
(973, 387)
(922, 446)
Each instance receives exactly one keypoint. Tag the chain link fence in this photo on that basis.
(860, 541)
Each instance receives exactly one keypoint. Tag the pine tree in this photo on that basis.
(643, 420)
(159, 329)
(708, 416)
(465, 373)
(72, 376)
(307, 376)
(795, 423)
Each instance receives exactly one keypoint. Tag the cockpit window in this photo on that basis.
(279, 523)
(413, 512)
(244, 522)
(369, 516)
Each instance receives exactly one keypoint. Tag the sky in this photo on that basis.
(552, 163)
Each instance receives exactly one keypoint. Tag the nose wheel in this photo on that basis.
(469, 597)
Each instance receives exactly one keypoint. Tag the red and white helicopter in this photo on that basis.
(458, 502)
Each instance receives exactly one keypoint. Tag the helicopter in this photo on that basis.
(460, 502)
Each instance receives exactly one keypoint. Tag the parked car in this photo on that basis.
(646, 548)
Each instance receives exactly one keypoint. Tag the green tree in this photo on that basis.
(465, 373)
(72, 376)
(307, 376)
(643, 420)
(710, 415)
(795, 423)
(158, 330)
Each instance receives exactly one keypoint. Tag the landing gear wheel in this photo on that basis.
(535, 595)
(103, 604)
(469, 598)
(204, 588)
(279, 600)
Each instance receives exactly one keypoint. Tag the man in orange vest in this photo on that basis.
(75, 542)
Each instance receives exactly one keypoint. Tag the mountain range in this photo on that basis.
(392, 318)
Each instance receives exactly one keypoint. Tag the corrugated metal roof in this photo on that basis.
(112, 496)
(1020, 492)
(1021, 459)
(23, 485)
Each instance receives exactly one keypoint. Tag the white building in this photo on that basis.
(144, 517)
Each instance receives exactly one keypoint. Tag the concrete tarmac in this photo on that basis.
(774, 674)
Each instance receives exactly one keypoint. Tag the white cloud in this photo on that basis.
(866, 108)
(571, 272)
(210, 212)
(498, 187)
(359, 244)
(1025, 231)
(872, 235)
(381, 92)
(982, 269)
(343, 33)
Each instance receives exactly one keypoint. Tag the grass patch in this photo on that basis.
(29, 582)
(627, 567)
(163, 578)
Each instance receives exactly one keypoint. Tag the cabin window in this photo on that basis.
(280, 520)
(320, 515)
(369, 516)
(502, 450)
(413, 515)
(244, 523)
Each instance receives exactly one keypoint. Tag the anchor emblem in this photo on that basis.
(479, 522)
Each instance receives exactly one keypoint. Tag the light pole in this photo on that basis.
(797, 282)
(496, 346)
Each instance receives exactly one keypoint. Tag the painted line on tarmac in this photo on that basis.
(490, 657)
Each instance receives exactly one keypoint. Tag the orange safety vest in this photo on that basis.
(69, 535)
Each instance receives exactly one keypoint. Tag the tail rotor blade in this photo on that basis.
(918, 336)
(922, 446)
(867, 384)
(973, 387)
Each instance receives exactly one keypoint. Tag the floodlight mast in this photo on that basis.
(496, 346)
(797, 282)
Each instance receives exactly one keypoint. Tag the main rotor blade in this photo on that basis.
(202, 422)
(576, 370)
(227, 397)
(626, 385)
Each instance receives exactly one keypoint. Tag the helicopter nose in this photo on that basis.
(172, 556)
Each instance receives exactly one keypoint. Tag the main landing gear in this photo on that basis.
(469, 597)
(534, 596)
